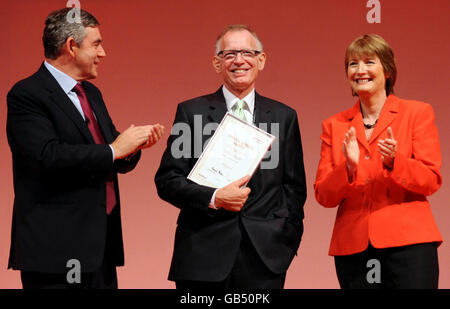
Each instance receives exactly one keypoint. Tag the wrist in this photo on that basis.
(351, 172)
(212, 203)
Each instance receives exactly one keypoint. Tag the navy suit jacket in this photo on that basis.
(207, 240)
(59, 179)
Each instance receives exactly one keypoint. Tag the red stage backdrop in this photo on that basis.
(159, 53)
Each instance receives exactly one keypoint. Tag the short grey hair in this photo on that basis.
(237, 27)
(60, 25)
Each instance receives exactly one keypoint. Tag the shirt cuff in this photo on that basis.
(112, 150)
(211, 203)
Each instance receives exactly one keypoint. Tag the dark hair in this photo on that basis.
(373, 44)
(63, 24)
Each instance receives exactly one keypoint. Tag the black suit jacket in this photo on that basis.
(59, 179)
(207, 240)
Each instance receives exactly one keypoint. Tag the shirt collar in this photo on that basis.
(230, 99)
(65, 81)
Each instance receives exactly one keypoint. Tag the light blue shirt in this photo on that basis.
(67, 83)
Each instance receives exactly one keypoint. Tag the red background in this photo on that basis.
(159, 53)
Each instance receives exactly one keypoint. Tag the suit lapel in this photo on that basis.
(57, 95)
(387, 115)
(217, 108)
(261, 114)
(356, 121)
(261, 110)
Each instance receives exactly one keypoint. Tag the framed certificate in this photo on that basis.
(235, 150)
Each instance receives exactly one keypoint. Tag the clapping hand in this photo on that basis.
(388, 149)
(350, 149)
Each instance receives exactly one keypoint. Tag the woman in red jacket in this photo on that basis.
(379, 161)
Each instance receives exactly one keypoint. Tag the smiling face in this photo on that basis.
(239, 73)
(366, 75)
(88, 54)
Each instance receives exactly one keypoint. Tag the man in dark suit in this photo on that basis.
(235, 236)
(66, 229)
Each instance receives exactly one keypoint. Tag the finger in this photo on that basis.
(385, 148)
(344, 148)
(246, 191)
(160, 130)
(390, 134)
(352, 132)
(390, 145)
(391, 142)
(384, 153)
(154, 134)
(242, 181)
(157, 131)
(347, 139)
(235, 208)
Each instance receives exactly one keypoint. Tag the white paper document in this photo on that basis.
(235, 150)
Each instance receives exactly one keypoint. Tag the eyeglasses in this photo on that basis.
(231, 54)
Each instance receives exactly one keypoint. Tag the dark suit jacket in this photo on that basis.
(59, 179)
(207, 240)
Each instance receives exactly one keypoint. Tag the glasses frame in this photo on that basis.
(238, 51)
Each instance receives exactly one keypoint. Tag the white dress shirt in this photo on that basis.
(230, 100)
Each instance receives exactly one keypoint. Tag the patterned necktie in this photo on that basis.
(239, 109)
(98, 138)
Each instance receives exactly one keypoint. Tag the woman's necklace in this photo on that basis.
(370, 126)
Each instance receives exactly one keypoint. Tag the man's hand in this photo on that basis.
(135, 138)
(232, 197)
(157, 131)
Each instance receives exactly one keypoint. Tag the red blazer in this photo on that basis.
(389, 208)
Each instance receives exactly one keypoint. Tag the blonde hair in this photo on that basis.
(373, 44)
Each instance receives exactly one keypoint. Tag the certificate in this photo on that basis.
(235, 150)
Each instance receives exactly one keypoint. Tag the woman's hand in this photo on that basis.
(388, 148)
(350, 149)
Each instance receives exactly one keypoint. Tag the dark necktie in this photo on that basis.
(98, 138)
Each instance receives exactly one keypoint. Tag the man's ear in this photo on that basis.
(217, 64)
(262, 61)
(69, 47)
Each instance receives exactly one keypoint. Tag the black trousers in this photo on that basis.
(103, 278)
(248, 272)
(407, 267)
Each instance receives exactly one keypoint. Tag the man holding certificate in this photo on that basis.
(243, 234)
